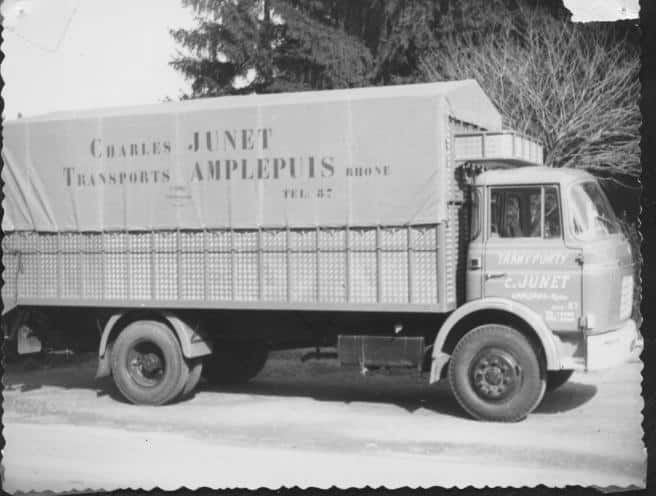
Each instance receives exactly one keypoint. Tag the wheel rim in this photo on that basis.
(495, 375)
(146, 364)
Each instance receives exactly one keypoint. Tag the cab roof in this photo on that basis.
(534, 174)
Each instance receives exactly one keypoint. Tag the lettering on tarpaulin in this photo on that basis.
(368, 171)
(179, 194)
(307, 194)
(100, 149)
(265, 166)
(76, 177)
(225, 140)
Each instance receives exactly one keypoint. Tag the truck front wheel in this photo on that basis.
(495, 374)
(234, 363)
(147, 363)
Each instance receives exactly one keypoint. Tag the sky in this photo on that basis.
(80, 54)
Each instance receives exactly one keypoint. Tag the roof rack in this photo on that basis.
(498, 150)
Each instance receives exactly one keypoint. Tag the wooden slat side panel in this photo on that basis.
(388, 265)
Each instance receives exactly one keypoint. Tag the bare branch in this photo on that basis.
(574, 88)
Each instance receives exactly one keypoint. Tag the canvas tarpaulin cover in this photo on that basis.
(372, 156)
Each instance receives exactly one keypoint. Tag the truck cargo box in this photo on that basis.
(316, 200)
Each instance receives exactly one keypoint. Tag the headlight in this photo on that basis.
(626, 299)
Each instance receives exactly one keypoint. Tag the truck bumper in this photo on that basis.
(612, 348)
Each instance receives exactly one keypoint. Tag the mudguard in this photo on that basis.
(534, 320)
(193, 343)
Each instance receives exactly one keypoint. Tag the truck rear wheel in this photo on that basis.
(234, 363)
(557, 378)
(495, 374)
(147, 363)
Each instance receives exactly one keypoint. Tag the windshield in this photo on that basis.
(591, 215)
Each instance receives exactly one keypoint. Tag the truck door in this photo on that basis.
(525, 257)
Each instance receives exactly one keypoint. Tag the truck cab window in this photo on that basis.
(516, 212)
(535, 214)
(592, 217)
(519, 213)
(552, 227)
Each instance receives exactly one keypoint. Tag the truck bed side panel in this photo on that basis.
(390, 268)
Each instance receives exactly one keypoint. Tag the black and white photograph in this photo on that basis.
(322, 244)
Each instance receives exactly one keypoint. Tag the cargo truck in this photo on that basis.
(402, 225)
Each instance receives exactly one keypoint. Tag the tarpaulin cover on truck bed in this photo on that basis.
(362, 157)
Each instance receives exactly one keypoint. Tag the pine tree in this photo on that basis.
(286, 45)
(268, 45)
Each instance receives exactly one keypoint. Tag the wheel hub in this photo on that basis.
(495, 374)
(150, 363)
(146, 364)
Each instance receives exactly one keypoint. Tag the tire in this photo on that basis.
(195, 372)
(147, 363)
(556, 378)
(495, 374)
(234, 363)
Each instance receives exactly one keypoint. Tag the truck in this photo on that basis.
(403, 226)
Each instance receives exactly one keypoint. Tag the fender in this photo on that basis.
(192, 342)
(533, 319)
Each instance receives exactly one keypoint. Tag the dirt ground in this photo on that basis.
(311, 424)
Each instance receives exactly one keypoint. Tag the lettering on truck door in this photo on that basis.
(525, 257)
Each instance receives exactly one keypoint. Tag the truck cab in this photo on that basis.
(548, 239)
(549, 280)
